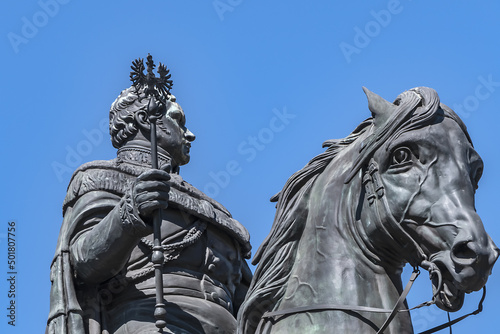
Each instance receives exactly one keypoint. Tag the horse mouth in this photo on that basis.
(448, 298)
(451, 280)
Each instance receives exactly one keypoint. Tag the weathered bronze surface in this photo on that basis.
(102, 274)
(399, 189)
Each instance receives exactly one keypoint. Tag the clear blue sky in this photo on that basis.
(236, 65)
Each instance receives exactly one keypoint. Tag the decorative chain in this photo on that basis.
(172, 251)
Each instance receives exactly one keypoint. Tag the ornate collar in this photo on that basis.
(140, 156)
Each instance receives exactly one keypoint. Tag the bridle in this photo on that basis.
(375, 192)
(392, 313)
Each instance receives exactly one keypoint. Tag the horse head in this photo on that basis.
(399, 189)
(420, 174)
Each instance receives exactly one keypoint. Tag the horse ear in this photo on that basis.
(381, 109)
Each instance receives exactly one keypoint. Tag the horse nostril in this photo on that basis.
(462, 254)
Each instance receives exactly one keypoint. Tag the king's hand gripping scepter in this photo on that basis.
(158, 91)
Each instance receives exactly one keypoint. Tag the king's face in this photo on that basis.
(173, 136)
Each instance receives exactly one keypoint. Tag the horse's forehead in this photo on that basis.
(451, 138)
(445, 136)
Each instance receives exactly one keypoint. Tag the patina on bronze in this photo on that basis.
(399, 189)
(103, 275)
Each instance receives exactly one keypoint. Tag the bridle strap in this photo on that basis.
(375, 189)
(400, 302)
(395, 310)
(452, 322)
(335, 307)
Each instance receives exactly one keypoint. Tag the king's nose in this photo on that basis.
(189, 135)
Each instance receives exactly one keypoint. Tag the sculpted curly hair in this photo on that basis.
(122, 124)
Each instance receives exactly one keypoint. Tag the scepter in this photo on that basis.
(160, 312)
(156, 89)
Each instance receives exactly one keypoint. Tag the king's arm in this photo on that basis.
(102, 243)
(107, 226)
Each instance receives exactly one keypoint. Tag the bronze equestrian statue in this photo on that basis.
(143, 251)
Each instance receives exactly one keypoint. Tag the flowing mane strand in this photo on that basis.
(277, 253)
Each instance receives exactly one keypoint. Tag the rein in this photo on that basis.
(334, 307)
(375, 190)
(357, 308)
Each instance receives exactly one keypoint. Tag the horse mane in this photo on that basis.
(277, 252)
(418, 107)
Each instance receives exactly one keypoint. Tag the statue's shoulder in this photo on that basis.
(104, 175)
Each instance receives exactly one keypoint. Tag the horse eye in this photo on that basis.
(401, 156)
